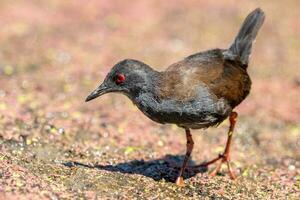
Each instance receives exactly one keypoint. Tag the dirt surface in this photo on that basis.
(53, 145)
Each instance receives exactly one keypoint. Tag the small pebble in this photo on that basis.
(160, 143)
(61, 131)
(2, 93)
(291, 167)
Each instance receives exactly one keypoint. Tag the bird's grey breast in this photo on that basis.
(202, 109)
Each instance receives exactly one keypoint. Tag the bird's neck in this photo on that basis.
(147, 89)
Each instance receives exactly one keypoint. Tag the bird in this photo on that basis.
(198, 92)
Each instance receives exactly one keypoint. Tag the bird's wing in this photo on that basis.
(181, 81)
(223, 80)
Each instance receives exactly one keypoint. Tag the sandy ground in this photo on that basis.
(55, 146)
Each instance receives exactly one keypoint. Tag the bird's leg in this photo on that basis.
(189, 149)
(225, 157)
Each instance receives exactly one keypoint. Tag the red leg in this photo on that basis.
(225, 157)
(189, 149)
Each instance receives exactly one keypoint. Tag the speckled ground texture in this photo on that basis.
(53, 145)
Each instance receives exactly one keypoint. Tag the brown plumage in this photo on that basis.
(223, 78)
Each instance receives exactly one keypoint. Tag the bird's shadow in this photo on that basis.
(166, 168)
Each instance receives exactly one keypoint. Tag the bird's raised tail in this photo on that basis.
(240, 50)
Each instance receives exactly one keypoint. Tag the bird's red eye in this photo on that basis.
(120, 78)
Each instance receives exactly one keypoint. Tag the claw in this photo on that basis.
(180, 181)
(218, 168)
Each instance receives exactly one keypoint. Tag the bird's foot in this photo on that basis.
(179, 181)
(223, 159)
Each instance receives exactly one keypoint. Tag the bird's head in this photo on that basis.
(128, 77)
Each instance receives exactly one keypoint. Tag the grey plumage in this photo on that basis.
(241, 48)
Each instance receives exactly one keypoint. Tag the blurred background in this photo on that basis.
(54, 53)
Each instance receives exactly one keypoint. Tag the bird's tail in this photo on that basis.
(240, 50)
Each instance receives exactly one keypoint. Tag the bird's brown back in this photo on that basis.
(223, 79)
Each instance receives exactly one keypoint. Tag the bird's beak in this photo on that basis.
(102, 89)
